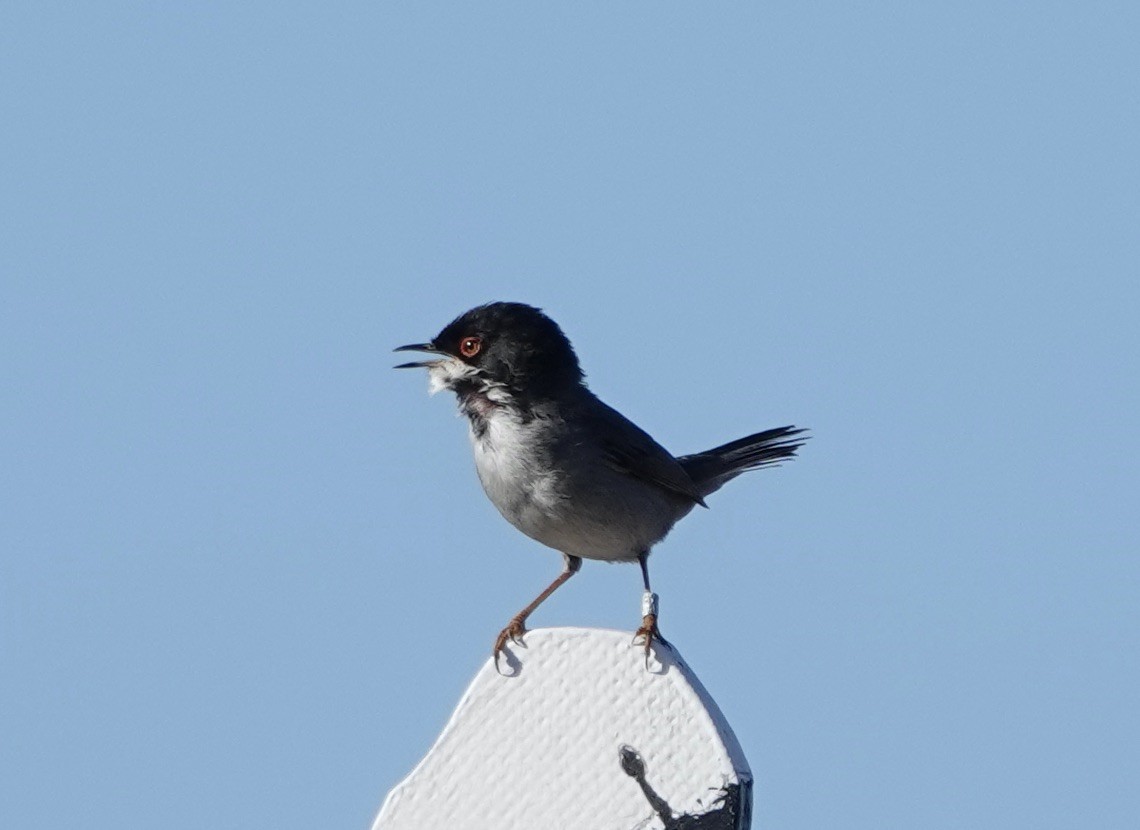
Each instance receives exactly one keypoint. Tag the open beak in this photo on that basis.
(416, 347)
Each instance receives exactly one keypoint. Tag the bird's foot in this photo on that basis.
(647, 634)
(514, 632)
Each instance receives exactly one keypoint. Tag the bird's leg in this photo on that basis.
(517, 626)
(648, 631)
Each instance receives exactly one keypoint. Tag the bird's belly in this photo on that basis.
(605, 521)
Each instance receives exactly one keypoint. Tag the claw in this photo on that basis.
(514, 632)
(647, 634)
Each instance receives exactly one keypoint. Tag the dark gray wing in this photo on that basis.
(631, 450)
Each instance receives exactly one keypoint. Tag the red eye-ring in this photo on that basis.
(470, 346)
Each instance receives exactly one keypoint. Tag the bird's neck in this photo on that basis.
(482, 400)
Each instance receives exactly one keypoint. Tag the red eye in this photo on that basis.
(470, 346)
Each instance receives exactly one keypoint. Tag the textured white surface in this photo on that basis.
(539, 749)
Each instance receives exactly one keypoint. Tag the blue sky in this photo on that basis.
(246, 569)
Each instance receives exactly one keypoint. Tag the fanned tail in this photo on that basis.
(710, 469)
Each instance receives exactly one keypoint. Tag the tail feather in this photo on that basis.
(711, 469)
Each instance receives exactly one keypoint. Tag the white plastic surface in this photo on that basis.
(539, 749)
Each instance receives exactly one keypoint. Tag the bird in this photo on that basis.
(562, 466)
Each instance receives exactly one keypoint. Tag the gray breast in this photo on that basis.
(562, 493)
